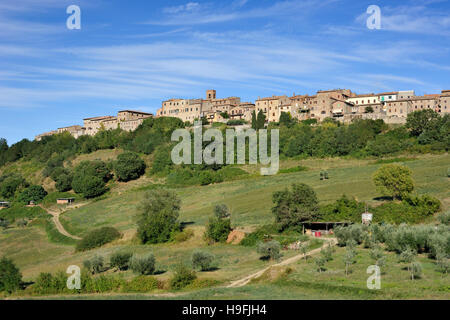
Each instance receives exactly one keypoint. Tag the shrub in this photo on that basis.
(182, 277)
(202, 260)
(46, 283)
(141, 284)
(95, 264)
(129, 166)
(10, 276)
(4, 223)
(444, 218)
(184, 235)
(269, 250)
(159, 213)
(217, 230)
(97, 238)
(143, 265)
(120, 260)
(394, 180)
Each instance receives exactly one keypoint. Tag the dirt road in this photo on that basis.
(242, 282)
(59, 226)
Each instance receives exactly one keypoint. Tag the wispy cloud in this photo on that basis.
(194, 13)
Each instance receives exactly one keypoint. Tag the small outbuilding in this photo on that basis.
(65, 200)
(4, 204)
(321, 228)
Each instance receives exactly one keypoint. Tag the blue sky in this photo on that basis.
(134, 54)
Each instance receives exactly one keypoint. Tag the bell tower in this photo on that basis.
(210, 94)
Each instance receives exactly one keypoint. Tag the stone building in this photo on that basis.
(127, 120)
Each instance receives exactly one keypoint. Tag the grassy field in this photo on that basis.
(301, 280)
(250, 201)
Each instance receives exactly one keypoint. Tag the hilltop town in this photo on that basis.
(340, 104)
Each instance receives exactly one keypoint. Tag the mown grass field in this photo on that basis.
(250, 201)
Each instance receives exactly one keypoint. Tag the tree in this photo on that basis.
(394, 180)
(349, 258)
(320, 263)
(90, 178)
(221, 211)
(9, 184)
(3, 145)
(120, 260)
(292, 208)
(10, 276)
(269, 250)
(376, 253)
(260, 120)
(420, 121)
(129, 166)
(143, 265)
(95, 264)
(202, 260)
(64, 182)
(32, 193)
(368, 110)
(254, 123)
(286, 119)
(158, 218)
(88, 186)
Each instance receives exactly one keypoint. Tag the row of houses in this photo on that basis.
(342, 104)
(128, 120)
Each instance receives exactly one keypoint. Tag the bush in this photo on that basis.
(129, 166)
(184, 235)
(159, 213)
(444, 218)
(46, 283)
(32, 193)
(217, 230)
(95, 264)
(143, 265)
(202, 260)
(97, 238)
(120, 260)
(10, 276)
(182, 277)
(269, 250)
(141, 284)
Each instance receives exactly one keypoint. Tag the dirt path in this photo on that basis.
(242, 282)
(59, 226)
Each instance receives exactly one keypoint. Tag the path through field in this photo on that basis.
(59, 226)
(242, 282)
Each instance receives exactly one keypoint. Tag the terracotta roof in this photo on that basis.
(99, 118)
(134, 111)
